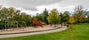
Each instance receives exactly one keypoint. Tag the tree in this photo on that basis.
(13, 17)
(79, 14)
(65, 16)
(41, 17)
(71, 20)
(88, 19)
(4, 13)
(54, 17)
(45, 13)
(25, 19)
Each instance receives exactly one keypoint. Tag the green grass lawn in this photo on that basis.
(77, 32)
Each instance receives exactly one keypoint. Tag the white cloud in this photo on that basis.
(58, 6)
(40, 5)
(33, 13)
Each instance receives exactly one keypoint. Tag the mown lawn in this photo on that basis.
(77, 32)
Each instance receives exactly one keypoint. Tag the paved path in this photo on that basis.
(27, 29)
(33, 33)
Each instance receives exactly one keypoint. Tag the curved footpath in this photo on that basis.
(33, 33)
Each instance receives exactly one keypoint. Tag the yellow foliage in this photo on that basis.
(72, 20)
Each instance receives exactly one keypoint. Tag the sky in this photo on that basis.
(37, 6)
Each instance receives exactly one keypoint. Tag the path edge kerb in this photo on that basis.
(30, 31)
(33, 33)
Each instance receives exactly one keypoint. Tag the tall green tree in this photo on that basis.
(54, 17)
(41, 17)
(45, 13)
(64, 17)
